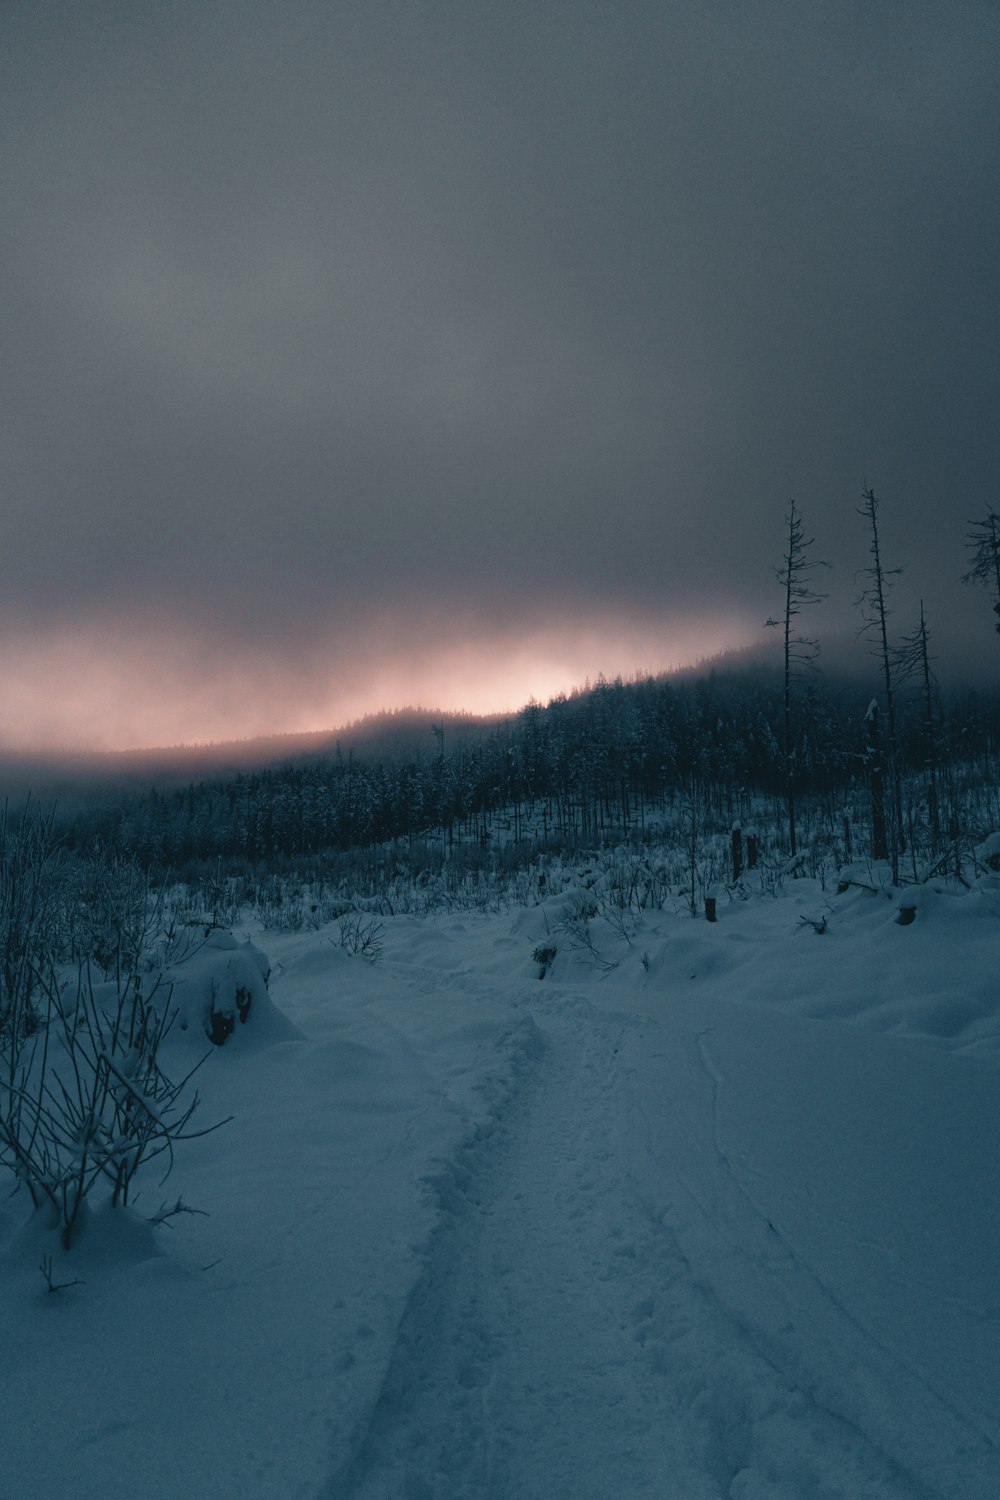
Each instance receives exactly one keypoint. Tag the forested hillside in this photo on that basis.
(589, 766)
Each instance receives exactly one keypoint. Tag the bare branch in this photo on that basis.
(45, 1266)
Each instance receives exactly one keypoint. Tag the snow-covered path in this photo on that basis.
(715, 1218)
(559, 1343)
(519, 1368)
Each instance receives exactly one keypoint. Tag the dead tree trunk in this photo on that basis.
(876, 783)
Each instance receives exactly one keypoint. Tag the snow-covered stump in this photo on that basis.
(712, 898)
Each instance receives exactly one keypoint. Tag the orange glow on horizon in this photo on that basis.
(116, 689)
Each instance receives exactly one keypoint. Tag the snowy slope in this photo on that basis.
(709, 1211)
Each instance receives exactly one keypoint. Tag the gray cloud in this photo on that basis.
(337, 322)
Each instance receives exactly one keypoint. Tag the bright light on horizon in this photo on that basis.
(113, 688)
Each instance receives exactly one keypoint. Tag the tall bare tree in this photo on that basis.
(799, 650)
(874, 603)
(913, 660)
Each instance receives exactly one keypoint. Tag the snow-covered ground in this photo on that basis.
(712, 1210)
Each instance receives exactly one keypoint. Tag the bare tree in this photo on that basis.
(875, 759)
(913, 660)
(873, 602)
(984, 543)
(799, 650)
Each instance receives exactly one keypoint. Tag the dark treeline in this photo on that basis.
(585, 767)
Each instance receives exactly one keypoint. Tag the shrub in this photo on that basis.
(84, 1099)
(361, 933)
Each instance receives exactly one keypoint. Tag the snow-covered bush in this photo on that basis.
(282, 905)
(361, 934)
(84, 1098)
(218, 987)
(988, 852)
(110, 914)
(86, 1095)
(544, 956)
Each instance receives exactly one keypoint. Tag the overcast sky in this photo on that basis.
(358, 354)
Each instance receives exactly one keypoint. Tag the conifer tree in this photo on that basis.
(984, 543)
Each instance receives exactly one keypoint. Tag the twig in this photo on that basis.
(165, 1214)
(45, 1266)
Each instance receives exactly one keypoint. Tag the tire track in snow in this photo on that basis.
(558, 1345)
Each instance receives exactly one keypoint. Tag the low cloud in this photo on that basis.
(463, 358)
(111, 688)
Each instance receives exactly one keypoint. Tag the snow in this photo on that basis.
(710, 1210)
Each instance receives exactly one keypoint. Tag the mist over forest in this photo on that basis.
(585, 766)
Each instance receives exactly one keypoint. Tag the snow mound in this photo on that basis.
(219, 992)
